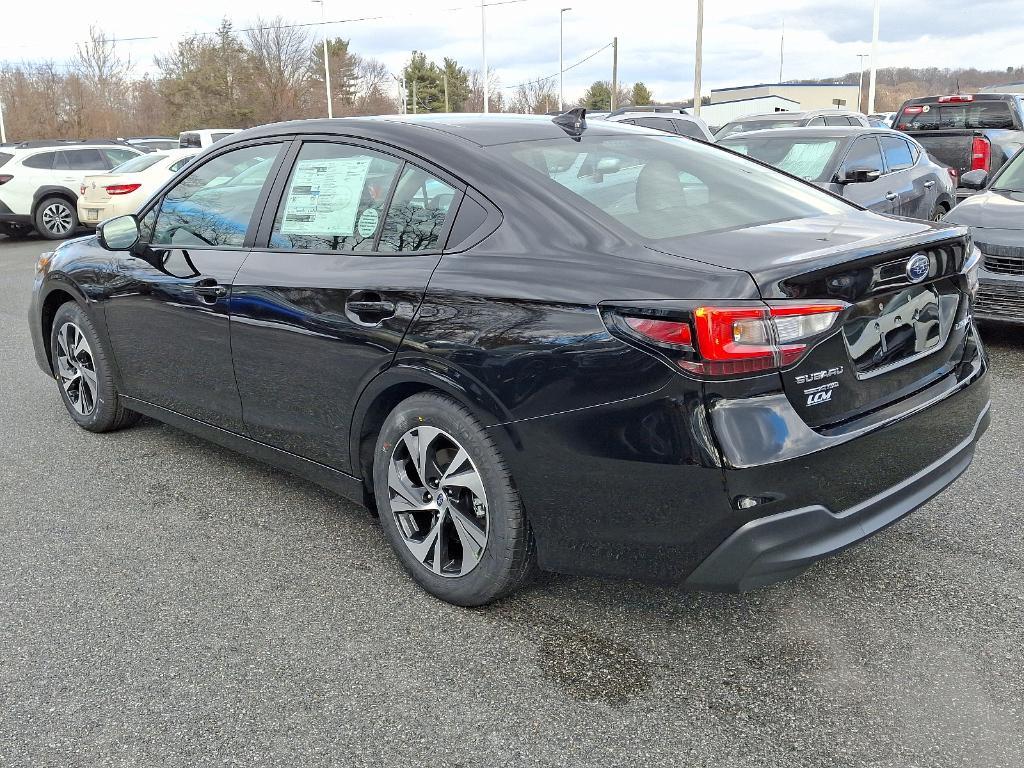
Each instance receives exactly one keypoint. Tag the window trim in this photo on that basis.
(279, 188)
(157, 201)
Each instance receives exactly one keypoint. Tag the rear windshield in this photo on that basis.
(810, 159)
(667, 186)
(4, 157)
(741, 126)
(139, 163)
(973, 115)
(156, 144)
(190, 140)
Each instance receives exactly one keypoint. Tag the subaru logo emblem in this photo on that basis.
(918, 267)
(439, 498)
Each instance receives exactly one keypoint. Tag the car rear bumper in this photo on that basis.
(7, 216)
(783, 545)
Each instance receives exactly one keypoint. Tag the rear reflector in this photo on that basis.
(5, 177)
(121, 189)
(960, 98)
(981, 154)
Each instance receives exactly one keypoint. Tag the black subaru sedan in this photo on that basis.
(533, 342)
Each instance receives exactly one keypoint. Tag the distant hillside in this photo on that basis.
(894, 85)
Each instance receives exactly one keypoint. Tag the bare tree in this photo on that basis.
(279, 58)
(535, 97)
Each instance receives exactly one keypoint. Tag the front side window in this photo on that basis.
(667, 186)
(418, 212)
(863, 155)
(214, 204)
(897, 153)
(335, 199)
(810, 159)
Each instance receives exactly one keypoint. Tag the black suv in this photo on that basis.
(594, 348)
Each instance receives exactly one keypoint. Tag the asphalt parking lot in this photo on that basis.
(164, 602)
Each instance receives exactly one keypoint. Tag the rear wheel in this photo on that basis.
(447, 503)
(56, 218)
(82, 368)
(941, 210)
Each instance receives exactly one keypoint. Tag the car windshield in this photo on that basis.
(810, 159)
(667, 186)
(140, 163)
(1012, 177)
(971, 115)
(742, 126)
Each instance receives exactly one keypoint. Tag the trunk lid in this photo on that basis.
(95, 191)
(950, 148)
(905, 326)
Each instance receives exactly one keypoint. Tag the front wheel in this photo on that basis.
(940, 211)
(56, 218)
(82, 368)
(447, 503)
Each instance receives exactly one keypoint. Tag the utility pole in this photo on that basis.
(3, 130)
(697, 60)
(446, 108)
(327, 65)
(782, 50)
(483, 51)
(874, 57)
(860, 82)
(561, 60)
(615, 72)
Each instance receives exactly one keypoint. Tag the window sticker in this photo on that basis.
(324, 196)
(368, 221)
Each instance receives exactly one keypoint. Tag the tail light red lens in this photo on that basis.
(121, 189)
(981, 154)
(5, 177)
(727, 341)
(960, 98)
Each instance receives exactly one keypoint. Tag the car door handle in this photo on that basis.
(929, 184)
(891, 195)
(209, 290)
(368, 308)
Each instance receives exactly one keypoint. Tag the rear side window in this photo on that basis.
(897, 153)
(214, 204)
(686, 128)
(418, 213)
(660, 123)
(978, 115)
(4, 157)
(863, 155)
(837, 120)
(335, 199)
(82, 160)
(42, 160)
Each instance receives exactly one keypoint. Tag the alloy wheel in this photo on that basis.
(438, 500)
(76, 368)
(57, 218)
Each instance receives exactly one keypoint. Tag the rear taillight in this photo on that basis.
(981, 154)
(121, 189)
(728, 341)
(5, 177)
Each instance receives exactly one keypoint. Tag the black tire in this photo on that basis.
(106, 411)
(56, 218)
(15, 231)
(940, 210)
(508, 557)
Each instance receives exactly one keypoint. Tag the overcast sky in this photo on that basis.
(656, 37)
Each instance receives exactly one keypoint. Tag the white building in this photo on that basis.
(806, 95)
(718, 114)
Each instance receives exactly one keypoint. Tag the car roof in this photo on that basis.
(657, 115)
(482, 130)
(822, 131)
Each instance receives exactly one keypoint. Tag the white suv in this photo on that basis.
(40, 181)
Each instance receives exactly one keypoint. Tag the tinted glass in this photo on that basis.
(739, 126)
(181, 164)
(1012, 176)
(215, 137)
(214, 204)
(810, 159)
(972, 115)
(864, 154)
(335, 199)
(157, 144)
(816, 121)
(660, 123)
(139, 163)
(418, 212)
(837, 120)
(4, 157)
(686, 128)
(897, 153)
(189, 140)
(42, 160)
(666, 186)
(118, 156)
(83, 160)
(854, 121)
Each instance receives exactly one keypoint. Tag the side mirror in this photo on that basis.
(860, 175)
(119, 234)
(974, 179)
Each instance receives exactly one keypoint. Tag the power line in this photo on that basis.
(571, 66)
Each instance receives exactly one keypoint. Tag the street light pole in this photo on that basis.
(561, 65)
(874, 57)
(327, 66)
(3, 130)
(697, 60)
(483, 51)
(860, 84)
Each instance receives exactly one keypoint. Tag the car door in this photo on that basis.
(167, 315)
(322, 305)
(877, 195)
(916, 192)
(76, 164)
